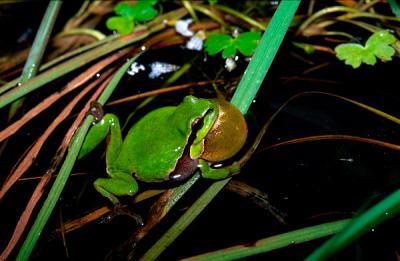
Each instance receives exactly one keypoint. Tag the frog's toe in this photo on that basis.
(97, 111)
(121, 210)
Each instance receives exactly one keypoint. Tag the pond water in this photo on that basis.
(309, 183)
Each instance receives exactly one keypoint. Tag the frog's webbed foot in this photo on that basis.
(96, 110)
(120, 184)
(121, 210)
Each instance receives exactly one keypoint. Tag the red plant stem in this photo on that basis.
(335, 137)
(20, 227)
(34, 151)
(38, 192)
(164, 90)
(46, 103)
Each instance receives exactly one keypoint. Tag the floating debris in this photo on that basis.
(347, 159)
(158, 68)
(195, 43)
(235, 32)
(182, 27)
(230, 64)
(135, 68)
(24, 37)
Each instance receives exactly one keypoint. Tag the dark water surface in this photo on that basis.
(312, 183)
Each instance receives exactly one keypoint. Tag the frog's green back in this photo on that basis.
(155, 142)
(145, 152)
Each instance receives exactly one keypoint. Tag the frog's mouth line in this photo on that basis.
(186, 166)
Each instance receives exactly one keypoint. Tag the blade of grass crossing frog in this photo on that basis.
(65, 170)
(244, 95)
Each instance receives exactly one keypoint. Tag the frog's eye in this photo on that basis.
(227, 135)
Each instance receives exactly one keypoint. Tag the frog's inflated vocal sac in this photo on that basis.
(169, 143)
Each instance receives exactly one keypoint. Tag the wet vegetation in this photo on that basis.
(317, 178)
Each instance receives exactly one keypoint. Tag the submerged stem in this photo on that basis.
(240, 15)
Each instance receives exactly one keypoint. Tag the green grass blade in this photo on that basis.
(242, 16)
(83, 59)
(264, 55)
(38, 47)
(65, 170)
(11, 84)
(67, 67)
(42, 37)
(376, 215)
(110, 45)
(183, 222)
(274, 242)
(244, 95)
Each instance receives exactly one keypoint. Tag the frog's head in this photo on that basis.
(216, 131)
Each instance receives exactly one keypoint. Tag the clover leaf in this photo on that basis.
(124, 23)
(216, 43)
(377, 45)
(123, 9)
(246, 43)
(144, 11)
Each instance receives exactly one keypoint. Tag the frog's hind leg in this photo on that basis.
(118, 185)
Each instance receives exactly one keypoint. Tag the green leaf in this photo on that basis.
(307, 48)
(352, 54)
(124, 9)
(143, 11)
(229, 51)
(247, 42)
(377, 45)
(216, 43)
(151, 2)
(122, 24)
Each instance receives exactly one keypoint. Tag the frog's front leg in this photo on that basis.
(119, 184)
(108, 124)
(220, 173)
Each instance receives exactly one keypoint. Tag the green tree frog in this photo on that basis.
(169, 143)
